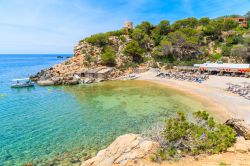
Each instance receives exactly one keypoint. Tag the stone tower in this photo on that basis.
(127, 26)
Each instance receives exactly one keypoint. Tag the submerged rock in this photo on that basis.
(129, 149)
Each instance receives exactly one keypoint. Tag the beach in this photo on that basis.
(219, 102)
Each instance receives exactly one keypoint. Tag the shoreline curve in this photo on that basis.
(222, 105)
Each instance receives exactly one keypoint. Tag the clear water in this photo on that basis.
(69, 124)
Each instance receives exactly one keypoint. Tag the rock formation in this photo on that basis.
(86, 56)
(240, 126)
(129, 149)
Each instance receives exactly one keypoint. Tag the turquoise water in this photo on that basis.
(67, 125)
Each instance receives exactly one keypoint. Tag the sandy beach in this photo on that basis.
(219, 102)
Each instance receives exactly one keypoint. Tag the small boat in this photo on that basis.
(22, 83)
(59, 57)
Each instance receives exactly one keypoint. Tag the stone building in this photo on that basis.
(104, 73)
(97, 73)
(241, 20)
(127, 26)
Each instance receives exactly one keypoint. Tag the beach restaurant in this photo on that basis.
(218, 68)
(223, 67)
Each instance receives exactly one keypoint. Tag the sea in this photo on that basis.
(65, 125)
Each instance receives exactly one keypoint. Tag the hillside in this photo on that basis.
(181, 43)
(184, 42)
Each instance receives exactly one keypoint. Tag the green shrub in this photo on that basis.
(116, 33)
(216, 56)
(202, 135)
(122, 38)
(130, 64)
(234, 39)
(229, 24)
(204, 21)
(134, 50)
(145, 27)
(226, 50)
(108, 56)
(100, 39)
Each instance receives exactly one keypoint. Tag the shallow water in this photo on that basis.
(70, 124)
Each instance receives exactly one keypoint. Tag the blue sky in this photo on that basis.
(55, 26)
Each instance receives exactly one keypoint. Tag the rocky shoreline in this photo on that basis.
(132, 149)
(128, 149)
(86, 57)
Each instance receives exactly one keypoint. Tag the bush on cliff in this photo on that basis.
(108, 56)
(116, 33)
(201, 136)
(134, 51)
(100, 39)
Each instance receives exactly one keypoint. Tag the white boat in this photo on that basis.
(22, 83)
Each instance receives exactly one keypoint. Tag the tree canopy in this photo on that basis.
(108, 56)
(184, 40)
(134, 51)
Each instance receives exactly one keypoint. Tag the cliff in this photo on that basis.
(86, 56)
(184, 42)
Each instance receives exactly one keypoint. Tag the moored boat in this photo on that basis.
(22, 83)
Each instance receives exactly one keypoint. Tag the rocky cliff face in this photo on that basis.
(86, 56)
(92, 54)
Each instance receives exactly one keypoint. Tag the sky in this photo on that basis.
(56, 26)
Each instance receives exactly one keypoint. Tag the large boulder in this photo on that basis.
(240, 126)
(45, 83)
(241, 145)
(129, 149)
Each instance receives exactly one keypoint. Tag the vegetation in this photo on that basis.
(134, 50)
(202, 135)
(184, 42)
(108, 56)
(215, 57)
(100, 39)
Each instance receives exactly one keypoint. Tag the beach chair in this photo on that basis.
(247, 97)
(230, 86)
(235, 88)
(243, 92)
